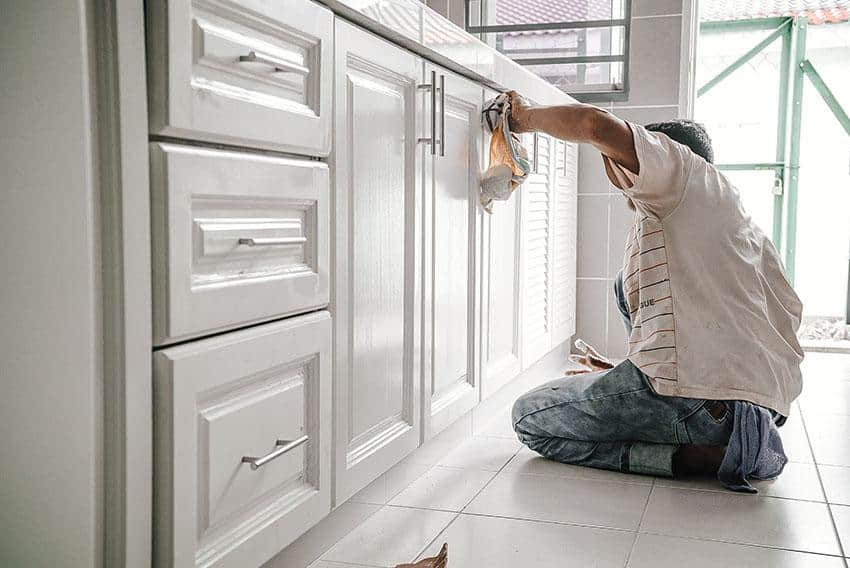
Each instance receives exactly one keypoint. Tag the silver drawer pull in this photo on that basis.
(280, 65)
(272, 241)
(283, 446)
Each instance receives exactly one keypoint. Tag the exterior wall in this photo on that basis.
(660, 35)
(50, 361)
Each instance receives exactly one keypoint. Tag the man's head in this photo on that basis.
(688, 133)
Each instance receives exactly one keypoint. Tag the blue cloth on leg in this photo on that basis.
(755, 449)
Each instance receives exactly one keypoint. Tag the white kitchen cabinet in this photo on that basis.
(500, 287)
(376, 296)
(451, 217)
(243, 72)
(237, 238)
(242, 443)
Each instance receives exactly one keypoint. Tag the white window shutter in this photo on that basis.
(536, 268)
(564, 219)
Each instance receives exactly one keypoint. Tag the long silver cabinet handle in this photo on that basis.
(442, 115)
(283, 446)
(536, 153)
(271, 241)
(432, 87)
(279, 64)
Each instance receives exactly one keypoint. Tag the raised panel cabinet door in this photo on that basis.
(246, 72)
(377, 234)
(452, 214)
(238, 238)
(500, 288)
(537, 239)
(564, 217)
(242, 443)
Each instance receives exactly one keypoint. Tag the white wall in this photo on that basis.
(49, 342)
(604, 220)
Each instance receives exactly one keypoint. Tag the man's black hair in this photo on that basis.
(686, 132)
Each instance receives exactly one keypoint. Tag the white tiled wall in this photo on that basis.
(604, 219)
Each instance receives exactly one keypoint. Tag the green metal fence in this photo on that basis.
(794, 67)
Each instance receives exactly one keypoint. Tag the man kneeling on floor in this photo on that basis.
(713, 359)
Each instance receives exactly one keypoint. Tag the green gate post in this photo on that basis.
(781, 131)
(792, 173)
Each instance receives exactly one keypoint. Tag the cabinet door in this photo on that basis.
(500, 285)
(242, 442)
(451, 217)
(376, 297)
(536, 252)
(564, 216)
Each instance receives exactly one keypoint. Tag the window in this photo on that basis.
(580, 46)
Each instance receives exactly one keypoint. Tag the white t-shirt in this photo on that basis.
(714, 315)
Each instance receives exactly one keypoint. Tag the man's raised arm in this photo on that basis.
(578, 123)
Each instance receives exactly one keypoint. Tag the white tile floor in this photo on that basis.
(498, 505)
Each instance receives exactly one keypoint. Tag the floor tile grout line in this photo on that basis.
(652, 533)
(335, 563)
(431, 467)
(549, 522)
(489, 481)
(640, 523)
(421, 508)
(337, 541)
(459, 513)
(823, 490)
(825, 501)
(738, 543)
(580, 477)
(654, 484)
(437, 537)
(727, 492)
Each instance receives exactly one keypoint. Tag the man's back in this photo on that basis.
(696, 255)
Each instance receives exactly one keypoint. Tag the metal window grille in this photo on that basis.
(580, 46)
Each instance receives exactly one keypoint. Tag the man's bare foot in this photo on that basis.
(439, 561)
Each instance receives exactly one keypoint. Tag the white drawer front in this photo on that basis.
(238, 238)
(259, 393)
(245, 72)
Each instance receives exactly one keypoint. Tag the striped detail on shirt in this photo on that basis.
(646, 284)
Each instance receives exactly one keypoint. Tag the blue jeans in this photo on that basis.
(614, 420)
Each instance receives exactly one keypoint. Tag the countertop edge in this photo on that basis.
(535, 87)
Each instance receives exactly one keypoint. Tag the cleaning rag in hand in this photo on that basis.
(509, 165)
